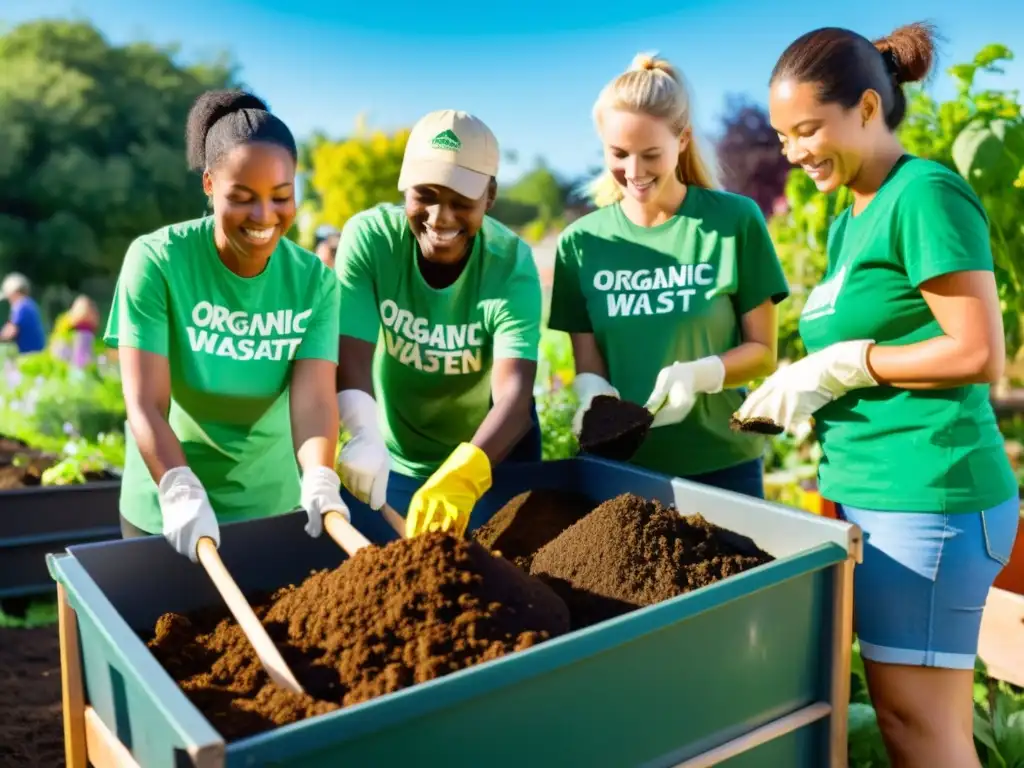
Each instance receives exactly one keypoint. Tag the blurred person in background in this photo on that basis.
(24, 326)
(327, 247)
(228, 339)
(440, 328)
(669, 289)
(74, 332)
(904, 335)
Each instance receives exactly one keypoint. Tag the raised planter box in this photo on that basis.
(751, 671)
(37, 521)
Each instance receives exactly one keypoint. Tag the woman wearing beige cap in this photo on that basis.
(668, 290)
(451, 301)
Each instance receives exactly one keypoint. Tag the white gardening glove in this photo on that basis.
(186, 511)
(587, 386)
(791, 395)
(364, 462)
(678, 385)
(321, 493)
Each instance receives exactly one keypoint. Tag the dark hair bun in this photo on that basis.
(911, 49)
(210, 107)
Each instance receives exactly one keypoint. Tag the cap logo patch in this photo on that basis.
(446, 140)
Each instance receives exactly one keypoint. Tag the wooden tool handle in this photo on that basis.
(394, 519)
(341, 530)
(265, 649)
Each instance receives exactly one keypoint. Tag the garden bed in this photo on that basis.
(37, 519)
(22, 466)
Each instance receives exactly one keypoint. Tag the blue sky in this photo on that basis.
(530, 69)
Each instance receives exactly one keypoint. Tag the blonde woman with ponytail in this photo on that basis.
(668, 290)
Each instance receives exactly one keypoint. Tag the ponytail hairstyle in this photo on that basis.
(653, 87)
(219, 121)
(844, 64)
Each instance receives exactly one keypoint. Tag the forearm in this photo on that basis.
(158, 445)
(314, 430)
(9, 332)
(355, 365)
(587, 357)
(504, 426)
(749, 361)
(939, 363)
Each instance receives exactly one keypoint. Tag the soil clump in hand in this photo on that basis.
(614, 428)
(759, 425)
(529, 521)
(385, 619)
(632, 552)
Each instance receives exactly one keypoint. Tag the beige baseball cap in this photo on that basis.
(451, 149)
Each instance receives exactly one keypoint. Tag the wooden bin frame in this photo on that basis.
(88, 741)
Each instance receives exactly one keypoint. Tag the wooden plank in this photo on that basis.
(1001, 645)
(105, 749)
(758, 736)
(72, 684)
(842, 650)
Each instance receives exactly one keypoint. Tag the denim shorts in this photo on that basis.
(921, 590)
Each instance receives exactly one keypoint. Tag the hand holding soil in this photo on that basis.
(613, 428)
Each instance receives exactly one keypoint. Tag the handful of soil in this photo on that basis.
(613, 428)
(529, 521)
(758, 425)
(385, 619)
(632, 552)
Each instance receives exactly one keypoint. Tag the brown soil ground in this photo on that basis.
(31, 728)
(385, 619)
(632, 552)
(614, 428)
(529, 521)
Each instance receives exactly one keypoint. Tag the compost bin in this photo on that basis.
(750, 671)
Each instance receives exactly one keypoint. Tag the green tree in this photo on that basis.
(534, 204)
(351, 175)
(91, 147)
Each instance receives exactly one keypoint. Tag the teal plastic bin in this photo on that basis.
(751, 671)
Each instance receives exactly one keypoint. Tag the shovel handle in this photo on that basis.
(394, 519)
(341, 530)
(266, 651)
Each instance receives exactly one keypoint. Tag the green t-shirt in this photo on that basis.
(900, 449)
(435, 348)
(231, 342)
(654, 296)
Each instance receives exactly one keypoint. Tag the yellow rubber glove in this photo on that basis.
(445, 501)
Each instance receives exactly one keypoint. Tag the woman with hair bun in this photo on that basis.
(905, 335)
(668, 290)
(228, 340)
